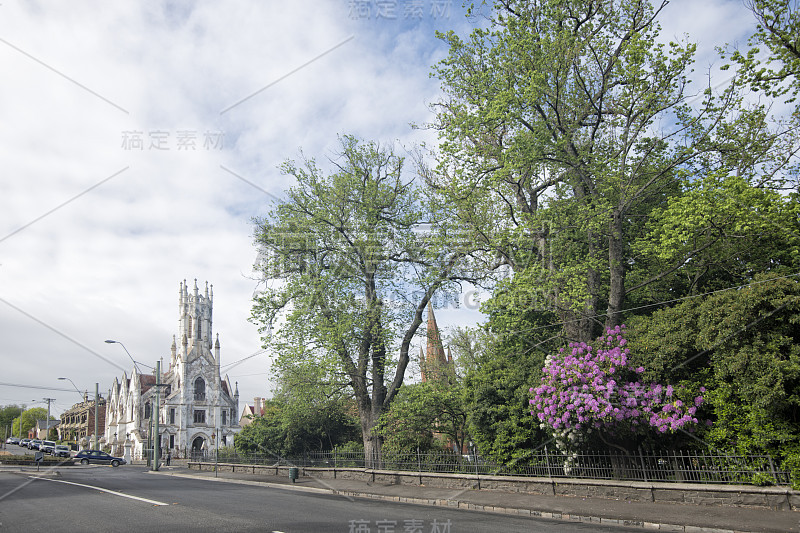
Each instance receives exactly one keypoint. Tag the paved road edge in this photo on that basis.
(457, 504)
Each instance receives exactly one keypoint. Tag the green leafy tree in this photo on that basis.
(426, 417)
(350, 276)
(564, 125)
(742, 346)
(290, 430)
(512, 348)
(7, 415)
(265, 434)
(28, 419)
(778, 31)
(730, 230)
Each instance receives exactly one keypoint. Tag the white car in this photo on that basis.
(61, 450)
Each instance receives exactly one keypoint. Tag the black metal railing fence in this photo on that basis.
(679, 467)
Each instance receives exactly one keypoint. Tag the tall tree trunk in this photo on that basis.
(616, 265)
(372, 443)
(578, 325)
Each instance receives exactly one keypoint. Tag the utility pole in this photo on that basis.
(157, 410)
(47, 431)
(96, 401)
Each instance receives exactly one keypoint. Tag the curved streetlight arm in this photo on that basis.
(135, 363)
(73, 385)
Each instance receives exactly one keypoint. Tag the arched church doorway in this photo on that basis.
(197, 447)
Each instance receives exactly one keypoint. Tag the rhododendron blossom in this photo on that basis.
(581, 388)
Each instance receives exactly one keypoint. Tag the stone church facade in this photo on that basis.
(197, 409)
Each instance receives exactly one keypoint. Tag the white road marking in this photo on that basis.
(115, 493)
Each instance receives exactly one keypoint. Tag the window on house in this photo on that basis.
(172, 417)
(199, 416)
(172, 441)
(224, 417)
(199, 389)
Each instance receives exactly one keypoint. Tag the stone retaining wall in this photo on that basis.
(779, 498)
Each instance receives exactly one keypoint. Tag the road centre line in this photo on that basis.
(115, 493)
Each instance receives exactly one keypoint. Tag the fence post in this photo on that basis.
(772, 468)
(547, 461)
(419, 466)
(641, 460)
(477, 475)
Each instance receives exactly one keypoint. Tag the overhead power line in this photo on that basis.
(41, 387)
(230, 366)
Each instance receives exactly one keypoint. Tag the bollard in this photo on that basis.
(293, 473)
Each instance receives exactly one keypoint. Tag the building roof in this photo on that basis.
(146, 381)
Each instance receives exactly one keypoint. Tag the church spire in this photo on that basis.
(422, 363)
(435, 360)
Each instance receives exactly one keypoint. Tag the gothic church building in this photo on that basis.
(197, 409)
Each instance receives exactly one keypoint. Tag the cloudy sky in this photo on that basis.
(138, 140)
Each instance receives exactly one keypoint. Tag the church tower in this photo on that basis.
(195, 313)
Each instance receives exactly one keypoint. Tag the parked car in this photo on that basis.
(24, 442)
(14, 440)
(98, 457)
(34, 444)
(47, 446)
(61, 450)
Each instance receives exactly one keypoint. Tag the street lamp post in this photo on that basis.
(109, 341)
(215, 441)
(96, 401)
(157, 410)
(73, 386)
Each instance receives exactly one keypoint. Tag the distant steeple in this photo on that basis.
(422, 363)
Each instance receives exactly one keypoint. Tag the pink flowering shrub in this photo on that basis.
(584, 389)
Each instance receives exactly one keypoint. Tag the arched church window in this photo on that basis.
(147, 410)
(199, 389)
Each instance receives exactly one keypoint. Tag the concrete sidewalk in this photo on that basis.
(654, 516)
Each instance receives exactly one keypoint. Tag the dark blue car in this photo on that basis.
(98, 457)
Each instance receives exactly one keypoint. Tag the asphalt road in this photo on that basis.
(103, 498)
